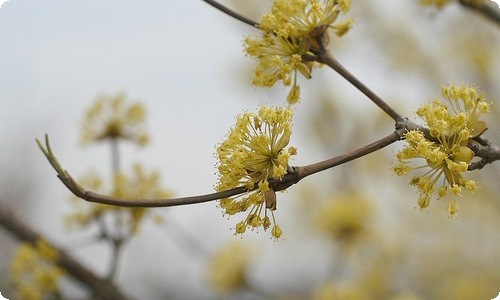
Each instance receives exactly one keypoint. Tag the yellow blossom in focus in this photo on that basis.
(292, 29)
(138, 185)
(254, 152)
(345, 217)
(34, 271)
(112, 118)
(451, 126)
(228, 267)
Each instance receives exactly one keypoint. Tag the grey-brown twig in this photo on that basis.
(80, 192)
(231, 13)
(295, 175)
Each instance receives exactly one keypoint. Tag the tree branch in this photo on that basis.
(231, 13)
(103, 289)
(80, 192)
(484, 8)
(292, 177)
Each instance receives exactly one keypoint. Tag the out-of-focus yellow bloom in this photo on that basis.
(139, 185)
(447, 155)
(253, 153)
(228, 268)
(34, 271)
(290, 30)
(345, 217)
(111, 118)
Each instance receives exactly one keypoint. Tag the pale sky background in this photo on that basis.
(184, 60)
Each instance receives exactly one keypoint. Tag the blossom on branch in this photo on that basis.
(451, 128)
(293, 29)
(254, 152)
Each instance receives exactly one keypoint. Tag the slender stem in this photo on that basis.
(115, 257)
(115, 157)
(103, 199)
(231, 13)
(326, 58)
(116, 241)
(288, 180)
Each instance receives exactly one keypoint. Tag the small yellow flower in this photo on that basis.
(111, 118)
(451, 126)
(254, 152)
(34, 271)
(291, 30)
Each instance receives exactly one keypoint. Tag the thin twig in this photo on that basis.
(296, 174)
(326, 58)
(80, 192)
(101, 288)
(484, 8)
(232, 13)
(116, 250)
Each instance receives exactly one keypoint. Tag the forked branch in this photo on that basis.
(80, 192)
(294, 175)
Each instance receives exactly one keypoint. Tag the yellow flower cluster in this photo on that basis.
(293, 28)
(445, 152)
(254, 152)
(34, 271)
(139, 185)
(111, 118)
